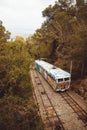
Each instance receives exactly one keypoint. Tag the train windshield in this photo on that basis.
(60, 80)
(66, 79)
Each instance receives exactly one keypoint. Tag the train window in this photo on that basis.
(66, 79)
(60, 80)
(54, 67)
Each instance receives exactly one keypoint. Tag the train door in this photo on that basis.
(37, 67)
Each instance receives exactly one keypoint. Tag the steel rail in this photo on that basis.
(60, 124)
(82, 114)
(51, 126)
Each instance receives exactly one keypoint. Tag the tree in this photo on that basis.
(19, 114)
(65, 30)
(19, 39)
(4, 35)
(80, 2)
(17, 108)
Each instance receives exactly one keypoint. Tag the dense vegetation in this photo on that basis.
(62, 38)
(17, 108)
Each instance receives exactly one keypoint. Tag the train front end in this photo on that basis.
(63, 84)
(62, 79)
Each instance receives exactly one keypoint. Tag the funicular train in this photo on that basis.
(56, 77)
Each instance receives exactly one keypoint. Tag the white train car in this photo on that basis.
(56, 77)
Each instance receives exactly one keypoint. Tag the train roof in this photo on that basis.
(52, 70)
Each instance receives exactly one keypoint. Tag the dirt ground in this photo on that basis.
(80, 87)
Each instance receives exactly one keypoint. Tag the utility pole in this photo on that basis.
(71, 67)
(70, 71)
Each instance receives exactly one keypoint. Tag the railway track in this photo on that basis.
(52, 117)
(81, 113)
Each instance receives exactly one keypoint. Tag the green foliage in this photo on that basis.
(82, 13)
(4, 35)
(18, 114)
(47, 12)
(65, 31)
(17, 108)
(36, 47)
(62, 38)
(14, 68)
(19, 39)
(80, 2)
